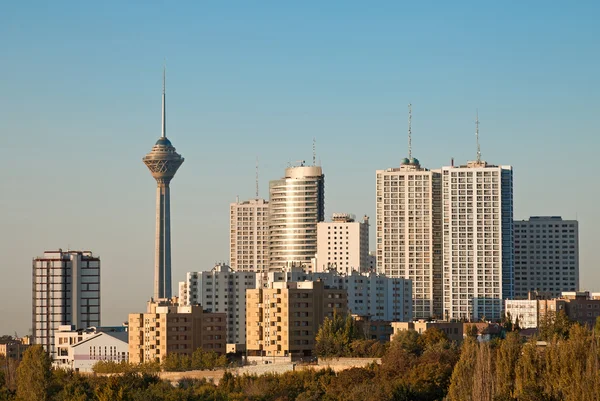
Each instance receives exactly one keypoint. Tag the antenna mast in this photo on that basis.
(314, 151)
(409, 132)
(477, 135)
(164, 103)
(256, 177)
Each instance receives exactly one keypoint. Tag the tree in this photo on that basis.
(461, 383)
(554, 324)
(506, 364)
(335, 336)
(431, 337)
(34, 375)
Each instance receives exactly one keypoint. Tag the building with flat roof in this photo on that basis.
(546, 256)
(342, 244)
(65, 291)
(13, 349)
(296, 205)
(221, 290)
(168, 327)
(453, 330)
(249, 236)
(283, 317)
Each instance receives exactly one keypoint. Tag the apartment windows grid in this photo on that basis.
(342, 244)
(249, 235)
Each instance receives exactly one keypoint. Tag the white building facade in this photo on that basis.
(409, 237)
(478, 246)
(65, 291)
(524, 311)
(546, 256)
(296, 205)
(80, 350)
(221, 290)
(342, 244)
(249, 235)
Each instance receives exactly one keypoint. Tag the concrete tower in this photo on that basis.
(163, 162)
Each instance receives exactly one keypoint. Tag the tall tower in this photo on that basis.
(163, 162)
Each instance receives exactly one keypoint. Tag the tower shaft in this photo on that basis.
(162, 256)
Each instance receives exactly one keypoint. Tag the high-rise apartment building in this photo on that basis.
(477, 240)
(163, 162)
(249, 235)
(168, 327)
(282, 319)
(342, 244)
(546, 256)
(409, 240)
(66, 291)
(221, 290)
(296, 205)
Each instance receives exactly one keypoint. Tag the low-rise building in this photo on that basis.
(80, 350)
(374, 329)
(453, 330)
(168, 327)
(283, 317)
(13, 349)
(221, 290)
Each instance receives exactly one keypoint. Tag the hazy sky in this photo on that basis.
(80, 86)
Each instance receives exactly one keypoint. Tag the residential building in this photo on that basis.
(13, 349)
(296, 205)
(221, 290)
(453, 330)
(369, 295)
(409, 235)
(546, 256)
(372, 261)
(80, 350)
(168, 327)
(484, 331)
(525, 312)
(374, 329)
(249, 235)
(282, 319)
(163, 162)
(342, 244)
(478, 240)
(65, 291)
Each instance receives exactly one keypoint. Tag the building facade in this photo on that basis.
(342, 244)
(283, 318)
(80, 350)
(409, 235)
(221, 290)
(249, 236)
(546, 256)
(13, 349)
(296, 205)
(66, 291)
(163, 162)
(169, 328)
(453, 330)
(478, 246)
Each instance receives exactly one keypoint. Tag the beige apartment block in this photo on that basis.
(453, 330)
(13, 349)
(167, 328)
(342, 244)
(249, 235)
(283, 318)
(409, 235)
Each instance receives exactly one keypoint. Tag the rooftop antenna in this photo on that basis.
(164, 102)
(477, 135)
(256, 177)
(314, 151)
(409, 132)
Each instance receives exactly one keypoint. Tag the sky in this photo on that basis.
(80, 99)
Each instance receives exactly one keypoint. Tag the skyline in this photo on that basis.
(246, 84)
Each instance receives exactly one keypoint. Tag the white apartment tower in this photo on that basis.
(65, 291)
(478, 240)
(221, 290)
(546, 256)
(249, 235)
(342, 244)
(409, 237)
(296, 205)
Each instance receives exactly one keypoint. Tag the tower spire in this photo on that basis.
(256, 177)
(164, 104)
(477, 135)
(409, 132)
(314, 151)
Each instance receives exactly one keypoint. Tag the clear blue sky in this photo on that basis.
(80, 106)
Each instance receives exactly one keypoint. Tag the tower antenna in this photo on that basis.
(164, 103)
(477, 135)
(409, 132)
(256, 177)
(314, 151)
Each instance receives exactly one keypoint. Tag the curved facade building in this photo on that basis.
(296, 205)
